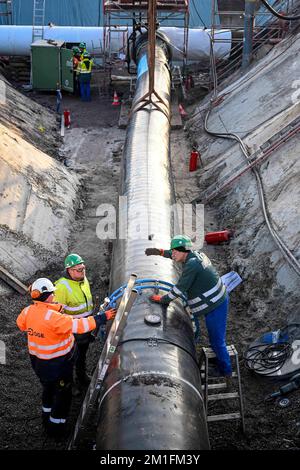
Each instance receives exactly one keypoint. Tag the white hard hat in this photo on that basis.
(41, 286)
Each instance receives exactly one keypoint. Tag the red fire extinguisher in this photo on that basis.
(67, 118)
(194, 160)
(214, 238)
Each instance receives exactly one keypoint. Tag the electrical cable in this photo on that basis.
(282, 17)
(292, 261)
(269, 359)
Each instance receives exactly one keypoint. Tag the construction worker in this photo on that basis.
(82, 48)
(76, 71)
(206, 295)
(73, 291)
(51, 350)
(85, 76)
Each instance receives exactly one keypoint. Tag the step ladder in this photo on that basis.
(212, 384)
(107, 353)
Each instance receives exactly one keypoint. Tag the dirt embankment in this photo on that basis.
(258, 107)
(92, 151)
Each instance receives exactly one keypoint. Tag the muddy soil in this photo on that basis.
(92, 149)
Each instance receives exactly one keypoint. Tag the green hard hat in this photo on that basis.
(181, 241)
(72, 260)
(75, 50)
(82, 45)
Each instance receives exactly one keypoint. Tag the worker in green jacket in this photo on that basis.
(73, 291)
(206, 295)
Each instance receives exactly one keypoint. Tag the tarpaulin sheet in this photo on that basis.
(90, 13)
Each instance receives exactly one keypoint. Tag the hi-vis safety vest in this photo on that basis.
(75, 296)
(50, 333)
(85, 66)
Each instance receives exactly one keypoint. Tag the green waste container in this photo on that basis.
(51, 63)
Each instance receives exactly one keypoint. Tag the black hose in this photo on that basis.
(269, 359)
(282, 17)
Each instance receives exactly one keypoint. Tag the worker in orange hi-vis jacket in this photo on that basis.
(52, 352)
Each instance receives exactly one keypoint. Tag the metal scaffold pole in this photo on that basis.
(248, 32)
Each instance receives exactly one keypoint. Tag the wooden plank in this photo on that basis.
(169, 5)
(222, 396)
(234, 374)
(223, 417)
(215, 386)
(210, 353)
(12, 281)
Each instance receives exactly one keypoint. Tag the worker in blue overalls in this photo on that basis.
(206, 295)
(85, 76)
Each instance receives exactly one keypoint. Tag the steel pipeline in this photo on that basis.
(152, 395)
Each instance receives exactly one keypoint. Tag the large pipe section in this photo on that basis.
(16, 40)
(151, 397)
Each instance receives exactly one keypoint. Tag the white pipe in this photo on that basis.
(16, 40)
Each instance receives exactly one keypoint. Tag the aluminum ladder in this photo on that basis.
(107, 353)
(38, 20)
(216, 387)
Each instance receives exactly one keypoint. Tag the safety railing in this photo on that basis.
(267, 30)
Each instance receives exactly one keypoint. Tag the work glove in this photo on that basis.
(110, 314)
(155, 298)
(153, 251)
(102, 317)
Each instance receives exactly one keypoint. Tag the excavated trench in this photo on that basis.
(268, 296)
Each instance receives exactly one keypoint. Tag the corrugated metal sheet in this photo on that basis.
(90, 13)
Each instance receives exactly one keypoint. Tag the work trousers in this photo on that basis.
(58, 106)
(56, 376)
(216, 327)
(85, 91)
(76, 85)
(56, 399)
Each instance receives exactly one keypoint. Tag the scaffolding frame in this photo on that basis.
(120, 14)
(264, 31)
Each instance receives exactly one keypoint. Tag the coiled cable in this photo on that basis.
(267, 359)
